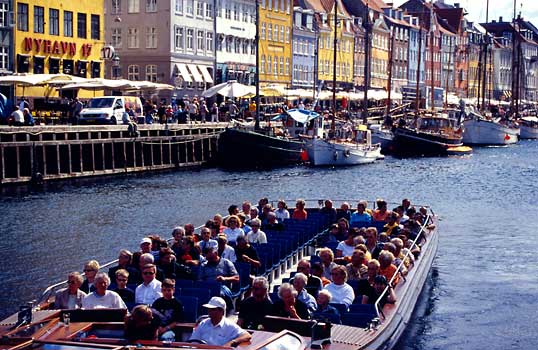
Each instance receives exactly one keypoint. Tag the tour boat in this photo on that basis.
(478, 130)
(529, 127)
(39, 327)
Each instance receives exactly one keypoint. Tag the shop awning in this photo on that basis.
(195, 73)
(205, 74)
(182, 69)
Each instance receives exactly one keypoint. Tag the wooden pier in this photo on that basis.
(42, 153)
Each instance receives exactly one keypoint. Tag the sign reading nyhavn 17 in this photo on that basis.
(55, 47)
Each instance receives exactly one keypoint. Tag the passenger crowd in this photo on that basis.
(359, 257)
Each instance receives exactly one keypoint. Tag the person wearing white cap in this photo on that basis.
(217, 330)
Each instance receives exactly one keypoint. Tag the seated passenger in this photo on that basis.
(70, 297)
(327, 261)
(300, 213)
(272, 223)
(328, 211)
(171, 268)
(90, 270)
(380, 283)
(224, 250)
(150, 289)
(317, 271)
(253, 309)
(124, 263)
(102, 298)
(313, 283)
(247, 254)
(189, 254)
(287, 305)
(220, 270)
(299, 283)
(392, 227)
(217, 220)
(206, 241)
(325, 312)
(387, 268)
(381, 214)
(360, 216)
(233, 230)
(346, 247)
(126, 294)
(168, 310)
(145, 248)
(282, 212)
(341, 291)
(356, 269)
(344, 212)
(256, 235)
(343, 229)
(368, 280)
(371, 242)
(141, 325)
(245, 209)
(228, 334)
(177, 233)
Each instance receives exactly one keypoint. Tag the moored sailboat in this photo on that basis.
(481, 131)
(529, 127)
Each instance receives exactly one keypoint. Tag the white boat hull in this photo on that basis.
(485, 132)
(528, 132)
(324, 152)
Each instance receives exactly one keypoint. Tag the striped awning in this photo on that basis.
(182, 70)
(205, 74)
(195, 73)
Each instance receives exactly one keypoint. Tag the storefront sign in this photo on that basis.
(55, 47)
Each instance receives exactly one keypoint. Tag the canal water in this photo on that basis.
(483, 287)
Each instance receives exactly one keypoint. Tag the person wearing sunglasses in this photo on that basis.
(90, 270)
(70, 297)
(150, 289)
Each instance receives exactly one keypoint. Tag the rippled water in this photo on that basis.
(483, 287)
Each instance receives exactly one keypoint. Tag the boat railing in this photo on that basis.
(420, 236)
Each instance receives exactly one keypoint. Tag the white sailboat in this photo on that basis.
(528, 127)
(481, 131)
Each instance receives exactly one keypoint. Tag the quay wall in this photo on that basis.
(43, 153)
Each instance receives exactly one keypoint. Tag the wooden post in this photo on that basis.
(93, 157)
(70, 159)
(57, 158)
(17, 151)
(3, 161)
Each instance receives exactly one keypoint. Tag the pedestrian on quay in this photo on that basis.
(215, 113)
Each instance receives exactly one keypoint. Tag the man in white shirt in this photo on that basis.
(17, 116)
(217, 330)
(341, 291)
(102, 298)
(150, 289)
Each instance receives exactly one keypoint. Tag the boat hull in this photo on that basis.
(528, 132)
(246, 149)
(330, 153)
(385, 138)
(410, 142)
(485, 132)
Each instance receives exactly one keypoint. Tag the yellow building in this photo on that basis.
(58, 36)
(379, 76)
(473, 56)
(275, 42)
(344, 47)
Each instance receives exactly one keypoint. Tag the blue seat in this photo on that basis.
(190, 307)
(275, 288)
(356, 319)
(379, 225)
(243, 269)
(362, 308)
(182, 283)
(314, 259)
(202, 294)
(354, 284)
(332, 246)
(336, 319)
(213, 286)
(342, 308)
(361, 224)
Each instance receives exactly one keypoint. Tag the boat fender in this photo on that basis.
(335, 155)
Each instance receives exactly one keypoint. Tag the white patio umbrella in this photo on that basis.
(229, 89)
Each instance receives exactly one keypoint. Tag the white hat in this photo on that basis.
(215, 302)
(145, 240)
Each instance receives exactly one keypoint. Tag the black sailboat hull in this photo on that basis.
(410, 142)
(247, 149)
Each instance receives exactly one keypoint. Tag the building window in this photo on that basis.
(179, 39)
(95, 27)
(281, 65)
(39, 19)
(236, 12)
(96, 69)
(228, 12)
(270, 32)
(190, 39)
(269, 64)
(245, 14)
(200, 9)
(133, 72)
(190, 7)
(262, 68)
(68, 67)
(282, 34)
(229, 41)
(116, 7)
(209, 42)
(22, 17)
(179, 6)
(133, 6)
(245, 47)
(4, 11)
(54, 65)
(68, 24)
(81, 25)
(54, 22)
(275, 66)
(116, 37)
(262, 34)
(151, 38)
(151, 72)
(209, 11)
(82, 69)
(200, 41)
(288, 34)
(151, 5)
(4, 57)
(132, 41)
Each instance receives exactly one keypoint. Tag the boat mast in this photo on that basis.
(448, 74)
(257, 80)
(366, 63)
(514, 64)
(333, 126)
(432, 41)
(485, 48)
(417, 99)
(391, 57)
(316, 68)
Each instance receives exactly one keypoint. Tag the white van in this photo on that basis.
(109, 109)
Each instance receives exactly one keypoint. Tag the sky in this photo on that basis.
(476, 9)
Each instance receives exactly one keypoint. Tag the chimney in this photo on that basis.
(500, 19)
(457, 5)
